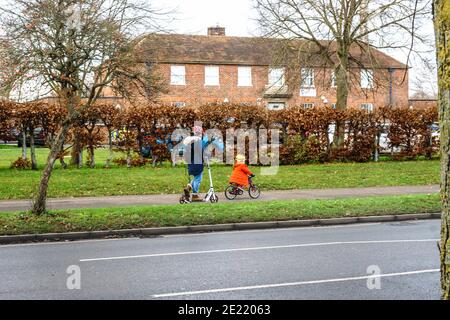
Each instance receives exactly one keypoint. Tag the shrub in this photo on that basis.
(135, 161)
(21, 164)
(298, 150)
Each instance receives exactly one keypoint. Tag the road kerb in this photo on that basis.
(72, 236)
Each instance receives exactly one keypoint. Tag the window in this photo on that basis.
(366, 79)
(276, 77)
(211, 76)
(308, 105)
(307, 77)
(333, 105)
(244, 76)
(276, 105)
(179, 104)
(177, 75)
(333, 79)
(367, 106)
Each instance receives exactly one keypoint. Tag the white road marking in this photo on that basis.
(273, 230)
(290, 284)
(255, 248)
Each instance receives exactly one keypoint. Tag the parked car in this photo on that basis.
(39, 138)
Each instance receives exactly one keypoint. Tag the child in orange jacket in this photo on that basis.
(240, 173)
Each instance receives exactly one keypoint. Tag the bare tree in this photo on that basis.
(76, 49)
(8, 70)
(441, 11)
(332, 31)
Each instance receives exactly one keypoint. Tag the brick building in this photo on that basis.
(219, 68)
(423, 103)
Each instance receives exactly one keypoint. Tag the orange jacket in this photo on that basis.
(240, 174)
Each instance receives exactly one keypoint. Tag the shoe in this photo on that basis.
(196, 198)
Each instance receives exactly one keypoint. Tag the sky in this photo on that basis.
(195, 16)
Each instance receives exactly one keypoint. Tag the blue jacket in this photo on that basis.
(194, 169)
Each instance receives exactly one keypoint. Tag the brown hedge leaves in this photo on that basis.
(306, 133)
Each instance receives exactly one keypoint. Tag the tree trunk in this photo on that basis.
(342, 98)
(61, 158)
(128, 158)
(108, 161)
(24, 142)
(91, 156)
(32, 150)
(376, 153)
(442, 26)
(39, 206)
(75, 152)
(80, 158)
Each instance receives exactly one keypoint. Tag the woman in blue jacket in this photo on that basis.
(198, 144)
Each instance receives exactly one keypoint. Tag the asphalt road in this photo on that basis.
(302, 263)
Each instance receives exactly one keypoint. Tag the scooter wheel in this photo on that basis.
(214, 198)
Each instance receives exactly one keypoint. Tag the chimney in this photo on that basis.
(216, 31)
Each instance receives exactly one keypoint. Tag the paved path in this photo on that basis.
(300, 263)
(120, 201)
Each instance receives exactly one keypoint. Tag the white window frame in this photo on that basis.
(245, 77)
(276, 77)
(271, 104)
(308, 105)
(179, 104)
(212, 76)
(307, 75)
(367, 106)
(333, 79)
(367, 78)
(178, 75)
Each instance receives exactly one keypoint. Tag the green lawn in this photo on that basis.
(195, 214)
(20, 184)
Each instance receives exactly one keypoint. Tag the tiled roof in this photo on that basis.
(221, 50)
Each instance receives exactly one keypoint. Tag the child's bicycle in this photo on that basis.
(232, 191)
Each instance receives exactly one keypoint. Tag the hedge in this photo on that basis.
(305, 133)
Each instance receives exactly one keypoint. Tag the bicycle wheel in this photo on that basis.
(254, 192)
(229, 193)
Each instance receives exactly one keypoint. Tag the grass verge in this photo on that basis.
(197, 214)
(22, 184)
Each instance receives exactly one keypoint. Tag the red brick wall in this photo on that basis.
(423, 103)
(195, 92)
